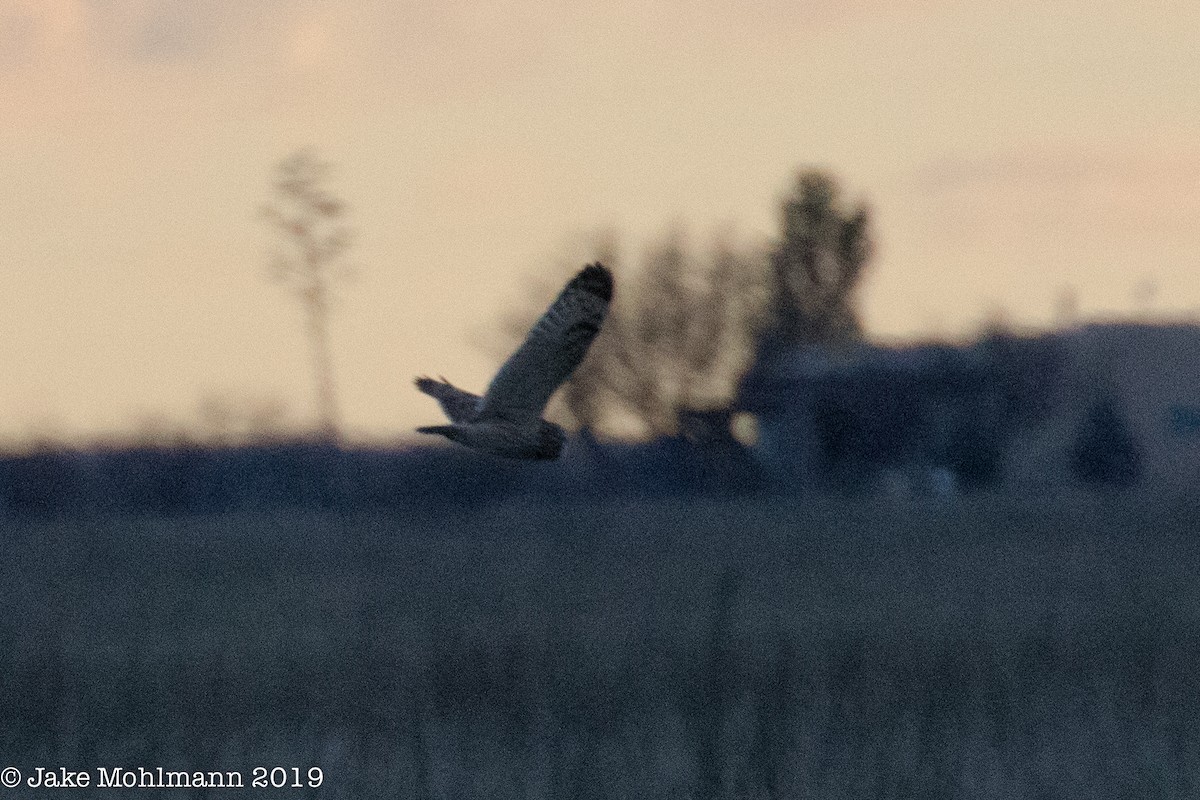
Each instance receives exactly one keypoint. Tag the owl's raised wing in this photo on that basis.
(553, 348)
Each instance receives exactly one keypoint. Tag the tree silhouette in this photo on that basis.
(818, 263)
(678, 333)
(684, 326)
(312, 239)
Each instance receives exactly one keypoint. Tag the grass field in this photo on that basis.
(984, 647)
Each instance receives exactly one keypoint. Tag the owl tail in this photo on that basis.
(444, 430)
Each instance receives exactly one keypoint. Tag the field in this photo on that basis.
(980, 647)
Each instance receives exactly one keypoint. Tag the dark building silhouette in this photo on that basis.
(1005, 409)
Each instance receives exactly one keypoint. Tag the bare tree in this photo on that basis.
(684, 326)
(312, 241)
(679, 332)
(818, 263)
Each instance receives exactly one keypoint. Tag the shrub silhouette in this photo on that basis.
(1105, 452)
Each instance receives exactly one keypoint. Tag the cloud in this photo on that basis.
(151, 31)
(40, 33)
(18, 36)
(32, 30)
(45, 34)
(787, 17)
(177, 29)
(406, 48)
(1107, 194)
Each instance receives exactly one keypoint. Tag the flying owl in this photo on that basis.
(507, 420)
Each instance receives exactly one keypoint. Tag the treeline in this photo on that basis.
(934, 406)
(938, 412)
(194, 479)
(923, 412)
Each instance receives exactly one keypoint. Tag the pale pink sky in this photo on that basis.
(1009, 149)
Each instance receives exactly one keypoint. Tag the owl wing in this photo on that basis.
(553, 348)
(458, 405)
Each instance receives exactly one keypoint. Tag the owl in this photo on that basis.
(507, 420)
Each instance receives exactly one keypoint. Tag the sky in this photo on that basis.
(1011, 152)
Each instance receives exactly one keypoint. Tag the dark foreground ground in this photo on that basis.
(987, 647)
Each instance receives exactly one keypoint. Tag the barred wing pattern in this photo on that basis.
(553, 349)
(458, 405)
